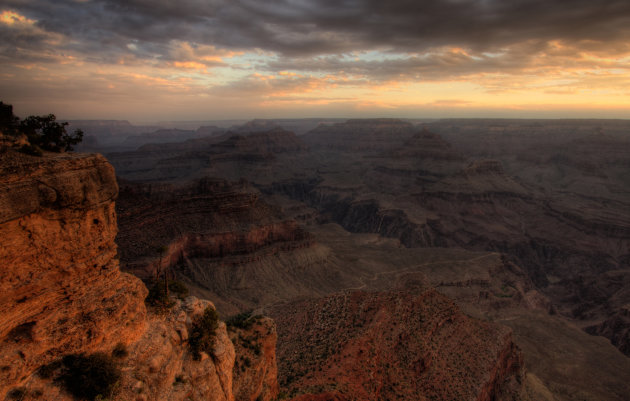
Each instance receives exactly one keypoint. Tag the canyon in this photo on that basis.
(541, 207)
(446, 259)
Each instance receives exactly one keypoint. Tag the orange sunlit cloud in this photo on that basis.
(11, 18)
(190, 65)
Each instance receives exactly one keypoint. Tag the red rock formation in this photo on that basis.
(60, 287)
(255, 370)
(63, 293)
(393, 345)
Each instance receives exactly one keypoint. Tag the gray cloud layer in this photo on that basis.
(104, 28)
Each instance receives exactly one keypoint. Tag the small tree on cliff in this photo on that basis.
(42, 132)
(90, 377)
(46, 133)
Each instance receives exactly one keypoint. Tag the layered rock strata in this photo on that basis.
(60, 287)
(62, 293)
(207, 219)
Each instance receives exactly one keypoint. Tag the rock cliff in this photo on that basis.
(62, 293)
(60, 287)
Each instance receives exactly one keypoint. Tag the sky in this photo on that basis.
(156, 60)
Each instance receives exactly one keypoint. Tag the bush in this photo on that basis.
(30, 150)
(8, 122)
(46, 133)
(179, 379)
(47, 371)
(157, 293)
(18, 393)
(90, 377)
(203, 336)
(157, 296)
(43, 132)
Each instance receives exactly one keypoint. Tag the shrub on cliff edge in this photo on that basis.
(203, 335)
(9, 123)
(46, 133)
(42, 132)
(159, 297)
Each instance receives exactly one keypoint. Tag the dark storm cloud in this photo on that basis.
(104, 29)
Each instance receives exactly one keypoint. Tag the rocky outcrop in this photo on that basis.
(62, 293)
(393, 345)
(368, 216)
(362, 216)
(158, 365)
(485, 167)
(255, 371)
(230, 155)
(60, 287)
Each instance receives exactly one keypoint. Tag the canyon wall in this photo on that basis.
(60, 287)
(62, 293)
(205, 219)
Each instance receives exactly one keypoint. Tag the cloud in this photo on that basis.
(315, 27)
(280, 86)
(307, 48)
(430, 39)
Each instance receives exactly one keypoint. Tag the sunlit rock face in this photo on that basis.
(62, 293)
(60, 287)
